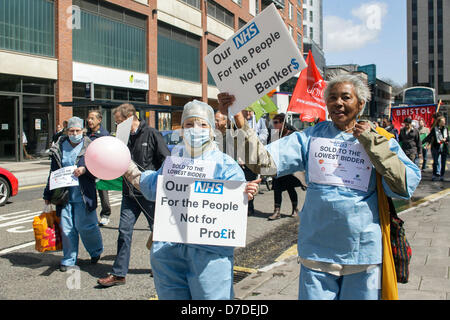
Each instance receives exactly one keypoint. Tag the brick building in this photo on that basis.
(60, 58)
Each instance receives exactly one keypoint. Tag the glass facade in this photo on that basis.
(34, 109)
(106, 42)
(178, 53)
(28, 26)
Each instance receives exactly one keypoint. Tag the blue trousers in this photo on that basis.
(77, 222)
(315, 285)
(129, 214)
(439, 162)
(183, 272)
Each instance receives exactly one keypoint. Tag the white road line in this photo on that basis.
(20, 246)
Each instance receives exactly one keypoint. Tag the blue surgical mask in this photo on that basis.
(196, 137)
(76, 138)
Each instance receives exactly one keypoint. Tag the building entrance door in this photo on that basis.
(10, 139)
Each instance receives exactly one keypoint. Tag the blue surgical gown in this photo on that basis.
(338, 224)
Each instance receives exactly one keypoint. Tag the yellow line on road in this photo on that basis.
(244, 269)
(32, 187)
(420, 201)
(292, 251)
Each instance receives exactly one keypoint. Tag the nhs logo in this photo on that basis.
(245, 35)
(208, 187)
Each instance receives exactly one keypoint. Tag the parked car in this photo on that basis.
(172, 138)
(9, 185)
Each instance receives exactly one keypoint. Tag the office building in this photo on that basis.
(428, 43)
(60, 58)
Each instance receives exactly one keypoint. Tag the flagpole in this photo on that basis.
(439, 105)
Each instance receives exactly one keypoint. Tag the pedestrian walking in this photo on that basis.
(96, 130)
(409, 139)
(288, 182)
(423, 133)
(439, 140)
(148, 151)
(78, 212)
(340, 237)
(189, 271)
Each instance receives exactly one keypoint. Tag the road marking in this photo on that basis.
(292, 251)
(244, 269)
(424, 201)
(20, 246)
(32, 187)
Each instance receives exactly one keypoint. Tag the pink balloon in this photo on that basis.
(107, 158)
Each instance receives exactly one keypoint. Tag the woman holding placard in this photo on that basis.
(188, 271)
(339, 238)
(78, 212)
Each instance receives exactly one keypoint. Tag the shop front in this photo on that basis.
(26, 119)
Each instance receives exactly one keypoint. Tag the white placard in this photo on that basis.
(255, 60)
(339, 163)
(187, 167)
(195, 211)
(63, 178)
(123, 130)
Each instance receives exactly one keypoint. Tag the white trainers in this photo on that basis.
(103, 221)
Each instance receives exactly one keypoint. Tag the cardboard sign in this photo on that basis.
(198, 211)
(63, 178)
(258, 58)
(339, 163)
(123, 130)
(188, 167)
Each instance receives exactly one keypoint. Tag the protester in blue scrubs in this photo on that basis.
(78, 214)
(187, 271)
(339, 237)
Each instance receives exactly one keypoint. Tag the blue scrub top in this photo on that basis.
(338, 224)
(69, 158)
(226, 169)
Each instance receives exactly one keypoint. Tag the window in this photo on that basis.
(311, 33)
(220, 13)
(291, 11)
(299, 19)
(107, 42)
(311, 16)
(211, 47)
(194, 3)
(178, 53)
(305, 14)
(28, 26)
(239, 2)
(299, 40)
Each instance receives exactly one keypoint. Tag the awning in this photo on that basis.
(112, 104)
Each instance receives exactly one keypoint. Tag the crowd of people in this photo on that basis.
(339, 237)
(416, 139)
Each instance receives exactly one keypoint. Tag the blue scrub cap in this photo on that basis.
(75, 122)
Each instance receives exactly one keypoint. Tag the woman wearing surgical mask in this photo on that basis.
(188, 271)
(78, 210)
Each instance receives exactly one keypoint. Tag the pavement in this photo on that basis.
(427, 225)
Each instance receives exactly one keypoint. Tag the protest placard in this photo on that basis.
(208, 212)
(255, 60)
(63, 178)
(188, 167)
(339, 163)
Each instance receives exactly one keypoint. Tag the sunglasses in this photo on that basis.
(276, 121)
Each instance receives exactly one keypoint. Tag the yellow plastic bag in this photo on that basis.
(46, 231)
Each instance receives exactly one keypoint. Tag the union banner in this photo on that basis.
(425, 112)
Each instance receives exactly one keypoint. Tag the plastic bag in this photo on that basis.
(46, 230)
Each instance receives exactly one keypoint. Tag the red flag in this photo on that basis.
(307, 98)
(425, 112)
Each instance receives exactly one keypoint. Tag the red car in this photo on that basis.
(9, 186)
